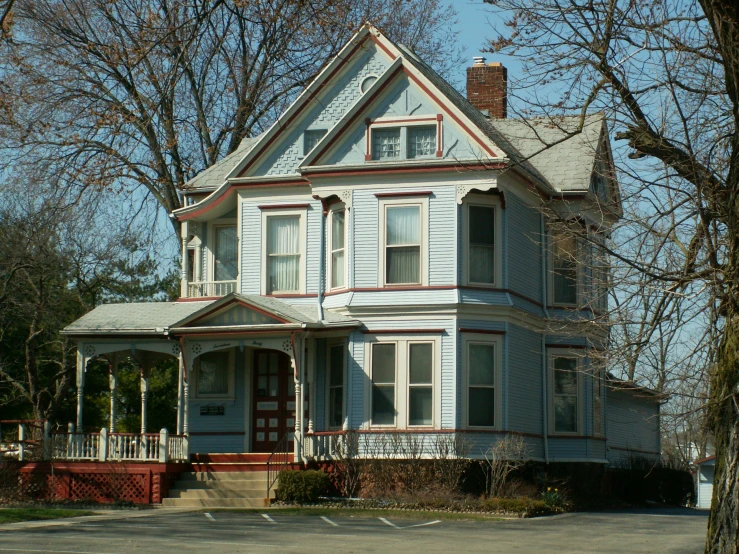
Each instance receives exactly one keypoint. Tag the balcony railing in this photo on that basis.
(202, 289)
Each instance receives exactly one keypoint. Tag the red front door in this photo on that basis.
(274, 399)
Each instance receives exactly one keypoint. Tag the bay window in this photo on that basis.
(481, 244)
(565, 394)
(420, 383)
(226, 265)
(481, 384)
(338, 247)
(564, 268)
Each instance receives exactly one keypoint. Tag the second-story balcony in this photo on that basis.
(209, 289)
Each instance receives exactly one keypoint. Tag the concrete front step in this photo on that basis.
(236, 486)
(214, 502)
(259, 476)
(220, 493)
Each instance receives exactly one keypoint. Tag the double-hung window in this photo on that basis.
(481, 384)
(283, 254)
(402, 244)
(226, 265)
(336, 385)
(566, 394)
(564, 268)
(338, 249)
(403, 373)
(384, 358)
(481, 244)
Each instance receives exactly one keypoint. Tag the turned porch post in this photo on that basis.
(81, 362)
(180, 391)
(112, 383)
(144, 373)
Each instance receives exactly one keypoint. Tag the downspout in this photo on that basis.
(321, 262)
(544, 384)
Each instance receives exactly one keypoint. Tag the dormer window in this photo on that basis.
(421, 142)
(311, 138)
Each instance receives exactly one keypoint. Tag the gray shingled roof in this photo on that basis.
(135, 317)
(567, 165)
(147, 317)
(214, 176)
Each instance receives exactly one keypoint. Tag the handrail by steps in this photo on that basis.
(278, 461)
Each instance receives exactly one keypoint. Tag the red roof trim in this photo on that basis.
(403, 331)
(384, 48)
(241, 303)
(455, 166)
(704, 460)
(282, 206)
(401, 194)
(191, 215)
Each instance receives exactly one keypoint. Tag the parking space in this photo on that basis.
(674, 531)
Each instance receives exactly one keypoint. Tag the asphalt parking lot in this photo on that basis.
(674, 531)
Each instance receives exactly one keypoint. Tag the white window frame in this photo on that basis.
(385, 203)
(230, 394)
(329, 250)
(578, 267)
(332, 343)
(211, 249)
(487, 202)
(402, 378)
(408, 384)
(566, 353)
(497, 342)
(302, 213)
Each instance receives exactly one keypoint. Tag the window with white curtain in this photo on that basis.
(481, 244)
(566, 394)
(338, 247)
(403, 244)
(283, 254)
(564, 268)
(336, 385)
(386, 144)
(421, 141)
(226, 265)
(214, 372)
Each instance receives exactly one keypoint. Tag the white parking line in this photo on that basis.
(210, 517)
(422, 524)
(327, 520)
(265, 516)
(386, 522)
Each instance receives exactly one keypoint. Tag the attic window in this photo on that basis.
(311, 138)
(421, 141)
(367, 83)
(405, 138)
(386, 144)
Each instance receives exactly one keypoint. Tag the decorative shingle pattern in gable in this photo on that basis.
(349, 91)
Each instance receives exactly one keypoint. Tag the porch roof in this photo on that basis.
(161, 318)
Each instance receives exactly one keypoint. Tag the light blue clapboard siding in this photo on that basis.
(524, 248)
(632, 425)
(356, 381)
(485, 297)
(232, 422)
(251, 247)
(366, 221)
(398, 298)
(313, 231)
(442, 228)
(480, 442)
(525, 413)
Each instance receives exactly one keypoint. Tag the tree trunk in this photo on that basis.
(723, 524)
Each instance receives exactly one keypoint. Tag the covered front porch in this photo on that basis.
(247, 381)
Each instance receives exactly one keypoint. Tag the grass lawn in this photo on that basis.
(364, 514)
(14, 515)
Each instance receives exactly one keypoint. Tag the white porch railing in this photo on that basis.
(201, 289)
(324, 446)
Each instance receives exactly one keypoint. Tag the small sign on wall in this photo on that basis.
(212, 410)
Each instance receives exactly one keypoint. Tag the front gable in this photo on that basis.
(239, 314)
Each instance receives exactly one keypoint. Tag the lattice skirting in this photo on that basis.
(104, 482)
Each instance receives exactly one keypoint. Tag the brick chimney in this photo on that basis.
(487, 88)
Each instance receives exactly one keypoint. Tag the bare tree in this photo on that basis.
(141, 95)
(667, 75)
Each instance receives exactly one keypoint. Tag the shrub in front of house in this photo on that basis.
(302, 487)
(525, 507)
